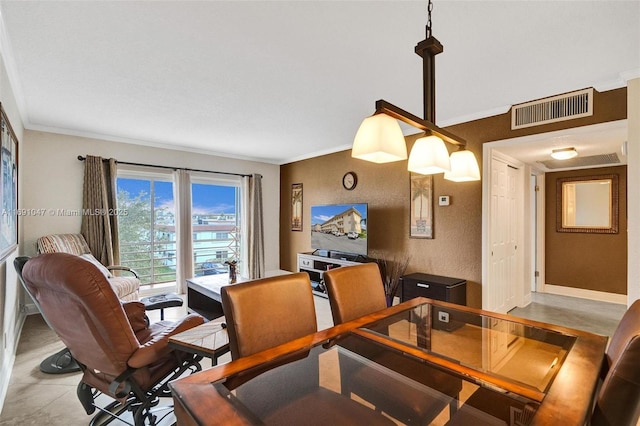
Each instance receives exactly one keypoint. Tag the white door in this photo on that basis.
(512, 222)
(503, 237)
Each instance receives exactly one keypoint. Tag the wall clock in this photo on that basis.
(349, 181)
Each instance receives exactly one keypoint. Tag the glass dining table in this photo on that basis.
(422, 361)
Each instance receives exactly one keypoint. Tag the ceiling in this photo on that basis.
(280, 81)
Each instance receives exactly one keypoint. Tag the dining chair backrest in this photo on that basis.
(354, 291)
(618, 401)
(265, 313)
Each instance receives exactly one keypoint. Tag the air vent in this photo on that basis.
(550, 110)
(580, 162)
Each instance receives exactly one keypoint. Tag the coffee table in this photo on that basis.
(203, 293)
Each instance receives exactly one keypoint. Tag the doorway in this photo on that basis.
(529, 153)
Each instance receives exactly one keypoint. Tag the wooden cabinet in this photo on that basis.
(447, 289)
(315, 266)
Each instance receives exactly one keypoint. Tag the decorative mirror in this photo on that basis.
(587, 204)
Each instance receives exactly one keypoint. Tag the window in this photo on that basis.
(148, 236)
(147, 231)
(216, 223)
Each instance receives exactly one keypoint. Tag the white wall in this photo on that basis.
(633, 197)
(11, 319)
(52, 180)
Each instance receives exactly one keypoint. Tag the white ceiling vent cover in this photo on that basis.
(550, 110)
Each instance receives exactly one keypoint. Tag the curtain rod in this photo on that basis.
(81, 158)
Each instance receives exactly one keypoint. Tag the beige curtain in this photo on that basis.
(253, 235)
(184, 244)
(99, 196)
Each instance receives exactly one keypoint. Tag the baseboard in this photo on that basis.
(9, 359)
(585, 294)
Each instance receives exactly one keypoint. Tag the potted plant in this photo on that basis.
(392, 268)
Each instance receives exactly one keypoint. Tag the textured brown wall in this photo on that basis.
(456, 249)
(587, 261)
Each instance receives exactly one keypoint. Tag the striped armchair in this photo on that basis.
(126, 288)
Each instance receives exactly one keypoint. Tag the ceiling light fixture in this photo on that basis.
(380, 139)
(564, 153)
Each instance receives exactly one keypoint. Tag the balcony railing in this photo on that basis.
(156, 263)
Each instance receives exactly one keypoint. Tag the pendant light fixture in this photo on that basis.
(464, 167)
(429, 156)
(380, 140)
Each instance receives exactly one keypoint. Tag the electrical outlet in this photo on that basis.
(443, 316)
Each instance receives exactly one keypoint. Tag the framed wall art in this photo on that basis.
(8, 186)
(296, 207)
(421, 206)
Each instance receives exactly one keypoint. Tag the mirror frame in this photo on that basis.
(613, 229)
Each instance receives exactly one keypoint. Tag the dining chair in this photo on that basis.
(355, 291)
(268, 312)
(264, 313)
(618, 401)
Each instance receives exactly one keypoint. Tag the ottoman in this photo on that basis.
(161, 301)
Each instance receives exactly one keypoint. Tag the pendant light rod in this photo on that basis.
(427, 49)
(384, 107)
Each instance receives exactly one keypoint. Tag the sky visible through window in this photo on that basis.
(206, 198)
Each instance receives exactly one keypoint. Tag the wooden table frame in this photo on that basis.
(568, 401)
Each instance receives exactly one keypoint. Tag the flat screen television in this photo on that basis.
(339, 229)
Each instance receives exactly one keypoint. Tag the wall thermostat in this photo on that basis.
(443, 200)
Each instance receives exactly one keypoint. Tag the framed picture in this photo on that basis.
(8, 186)
(421, 206)
(296, 207)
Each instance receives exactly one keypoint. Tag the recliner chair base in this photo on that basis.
(59, 363)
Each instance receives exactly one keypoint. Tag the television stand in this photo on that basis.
(316, 266)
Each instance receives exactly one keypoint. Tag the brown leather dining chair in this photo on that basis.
(121, 355)
(265, 313)
(618, 401)
(355, 291)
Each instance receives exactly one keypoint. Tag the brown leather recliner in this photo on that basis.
(120, 354)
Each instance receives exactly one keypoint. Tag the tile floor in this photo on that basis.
(34, 398)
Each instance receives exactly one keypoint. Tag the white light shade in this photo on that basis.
(429, 156)
(564, 153)
(464, 167)
(380, 140)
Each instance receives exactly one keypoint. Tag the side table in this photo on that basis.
(209, 340)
